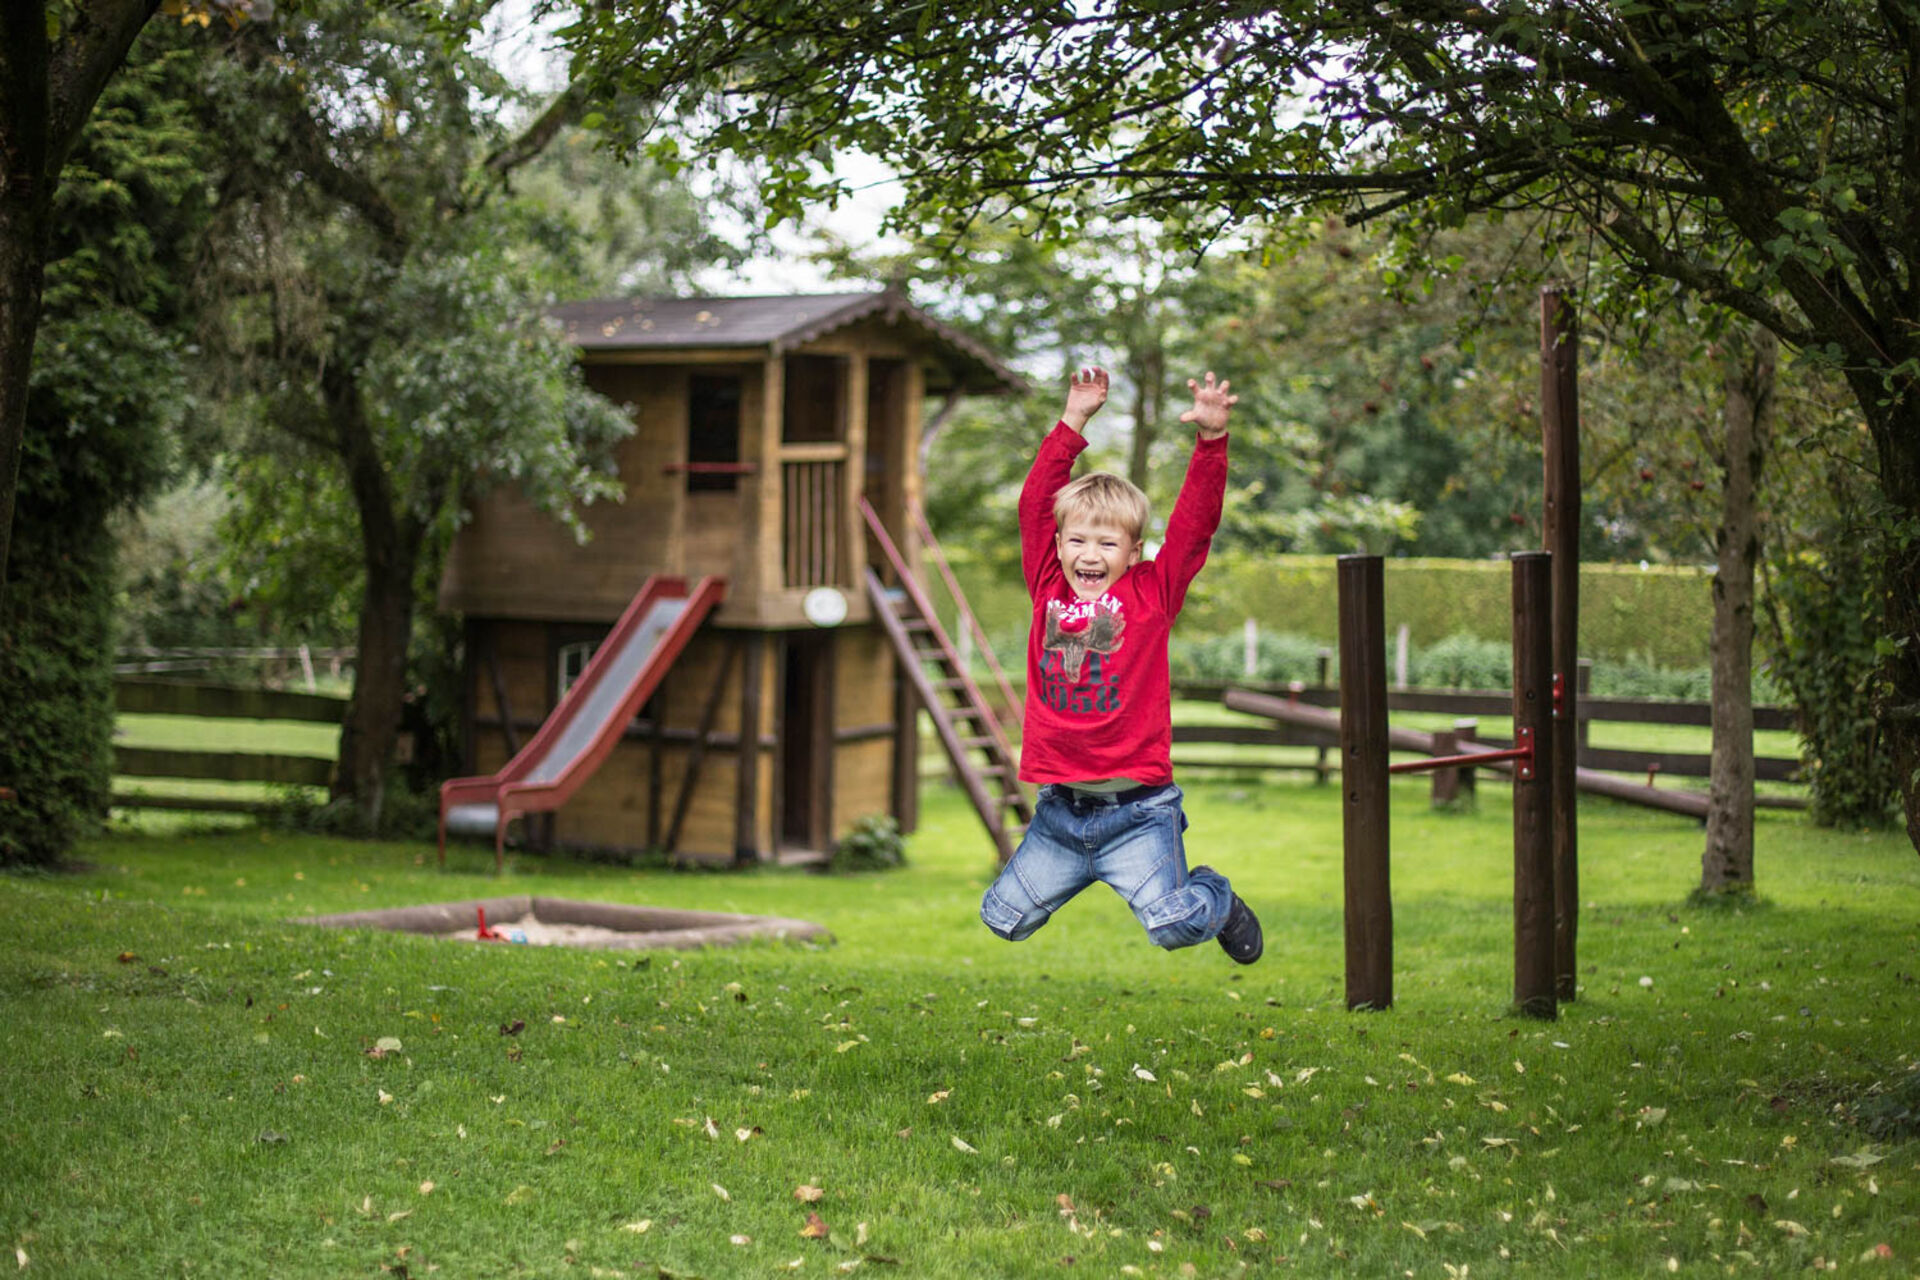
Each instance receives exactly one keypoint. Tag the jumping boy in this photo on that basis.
(1099, 730)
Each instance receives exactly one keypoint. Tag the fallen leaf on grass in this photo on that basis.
(1142, 1073)
(1460, 1077)
(939, 1095)
(1789, 1226)
(513, 1028)
(807, 1193)
(639, 1228)
(713, 1130)
(403, 1213)
(385, 1097)
(520, 1194)
(743, 1134)
(20, 1256)
(741, 1240)
(720, 1191)
(960, 1144)
(1861, 1159)
(426, 1188)
(816, 1228)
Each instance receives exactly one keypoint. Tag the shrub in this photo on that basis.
(1277, 658)
(1462, 661)
(104, 391)
(874, 844)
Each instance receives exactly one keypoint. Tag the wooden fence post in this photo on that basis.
(1363, 777)
(1560, 452)
(1533, 866)
(1320, 753)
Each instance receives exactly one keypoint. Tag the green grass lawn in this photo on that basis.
(189, 1088)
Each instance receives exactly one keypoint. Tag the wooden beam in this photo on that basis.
(183, 698)
(698, 755)
(225, 766)
(502, 709)
(1364, 741)
(746, 800)
(1533, 793)
(1560, 452)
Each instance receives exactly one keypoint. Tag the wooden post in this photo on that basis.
(1560, 438)
(1363, 776)
(746, 801)
(1466, 732)
(906, 752)
(1445, 782)
(1582, 683)
(1320, 770)
(1533, 897)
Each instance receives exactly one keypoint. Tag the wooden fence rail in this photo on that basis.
(1474, 703)
(178, 698)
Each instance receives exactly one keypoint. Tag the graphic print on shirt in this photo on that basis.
(1077, 630)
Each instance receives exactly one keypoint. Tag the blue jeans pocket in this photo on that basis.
(998, 916)
(1177, 919)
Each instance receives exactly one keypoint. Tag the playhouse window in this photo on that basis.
(713, 431)
(815, 408)
(569, 662)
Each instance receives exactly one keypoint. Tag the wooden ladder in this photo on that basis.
(971, 734)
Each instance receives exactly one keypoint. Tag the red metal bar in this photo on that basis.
(1522, 752)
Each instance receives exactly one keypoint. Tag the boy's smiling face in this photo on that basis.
(1093, 555)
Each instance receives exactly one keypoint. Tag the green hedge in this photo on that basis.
(1655, 615)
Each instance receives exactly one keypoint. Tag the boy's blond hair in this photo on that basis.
(1103, 498)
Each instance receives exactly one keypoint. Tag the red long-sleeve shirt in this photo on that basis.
(1099, 703)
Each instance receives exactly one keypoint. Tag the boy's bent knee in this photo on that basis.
(1180, 919)
(1004, 920)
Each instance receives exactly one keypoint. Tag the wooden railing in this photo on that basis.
(174, 698)
(814, 516)
(967, 621)
(1493, 704)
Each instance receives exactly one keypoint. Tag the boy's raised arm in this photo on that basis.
(1086, 392)
(1196, 512)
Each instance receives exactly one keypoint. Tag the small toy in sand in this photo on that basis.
(483, 933)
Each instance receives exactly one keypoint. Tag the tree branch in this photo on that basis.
(532, 140)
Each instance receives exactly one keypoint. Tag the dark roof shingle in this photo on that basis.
(773, 324)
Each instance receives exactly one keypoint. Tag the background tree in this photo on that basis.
(377, 307)
(109, 395)
(55, 60)
(1758, 154)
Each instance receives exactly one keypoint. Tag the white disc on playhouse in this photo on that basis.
(825, 606)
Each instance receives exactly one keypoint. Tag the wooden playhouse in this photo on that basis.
(776, 461)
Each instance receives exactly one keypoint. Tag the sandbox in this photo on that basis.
(568, 922)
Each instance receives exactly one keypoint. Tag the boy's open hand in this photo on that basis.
(1086, 392)
(1210, 406)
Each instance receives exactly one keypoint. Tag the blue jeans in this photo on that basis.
(1133, 845)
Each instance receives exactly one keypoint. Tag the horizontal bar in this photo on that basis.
(710, 468)
(178, 698)
(1454, 762)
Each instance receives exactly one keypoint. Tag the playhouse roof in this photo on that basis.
(777, 324)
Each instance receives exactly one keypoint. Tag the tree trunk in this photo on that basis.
(1727, 864)
(1896, 432)
(1147, 365)
(22, 269)
(390, 550)
(26, 195)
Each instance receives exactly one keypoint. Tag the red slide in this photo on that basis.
(583, 730)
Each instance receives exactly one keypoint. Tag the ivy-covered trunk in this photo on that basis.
(23, 228)
(1726, 866)
(1896, 431)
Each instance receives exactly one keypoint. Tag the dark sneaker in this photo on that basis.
(1240, 937)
